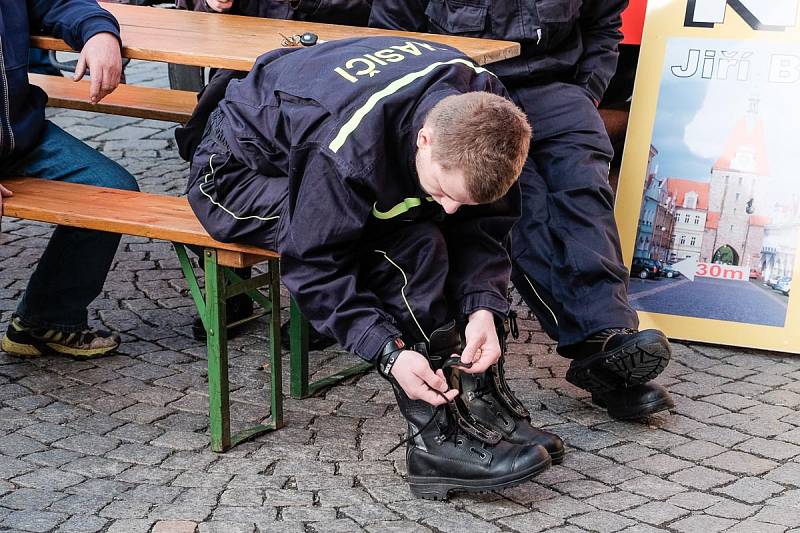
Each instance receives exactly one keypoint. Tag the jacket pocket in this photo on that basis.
(557, 10)
(558, 20)
(458, 16)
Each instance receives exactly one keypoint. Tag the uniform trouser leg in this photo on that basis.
(407, 269)
(235, 203)
(565, 247)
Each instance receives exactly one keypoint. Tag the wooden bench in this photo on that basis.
(128, 100)
(171, 219)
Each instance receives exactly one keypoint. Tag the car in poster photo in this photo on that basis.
(644, 268)
(669, 272)
(783, 285)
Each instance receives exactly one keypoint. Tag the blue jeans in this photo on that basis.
(75, 263)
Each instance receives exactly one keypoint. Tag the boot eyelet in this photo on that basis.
(477, 452)
(459, 442)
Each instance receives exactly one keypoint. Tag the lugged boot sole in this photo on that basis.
(638, 361)
(438, 488)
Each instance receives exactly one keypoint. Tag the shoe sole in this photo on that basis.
(36, 350)
(642, 411)
(638, 361)
(18, 349)
(557, 458)
(438, 488)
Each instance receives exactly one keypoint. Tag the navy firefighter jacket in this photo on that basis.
(340, 119)
(573, 41)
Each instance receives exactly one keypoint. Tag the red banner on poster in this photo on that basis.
(633, 21)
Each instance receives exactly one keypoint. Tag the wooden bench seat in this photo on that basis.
(171, 219)
(128, 100)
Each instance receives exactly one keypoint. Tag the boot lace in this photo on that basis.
(453, 432)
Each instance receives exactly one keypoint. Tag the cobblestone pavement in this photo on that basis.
(121, 444)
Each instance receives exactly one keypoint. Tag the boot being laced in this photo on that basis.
(443, 454)
(488, 401)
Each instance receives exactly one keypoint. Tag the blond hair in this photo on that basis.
(485, 136)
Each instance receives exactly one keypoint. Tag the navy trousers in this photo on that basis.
(565, 248)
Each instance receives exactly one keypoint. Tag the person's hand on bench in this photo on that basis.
(4, 193)
(101, 56)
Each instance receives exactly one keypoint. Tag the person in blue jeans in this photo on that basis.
(52, 314)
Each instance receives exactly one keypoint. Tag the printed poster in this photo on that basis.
(708, 204)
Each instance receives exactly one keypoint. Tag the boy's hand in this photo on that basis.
(483, 347)
(220, 6)
(101, 55)
(414, 374)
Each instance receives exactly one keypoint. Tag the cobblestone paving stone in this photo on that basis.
(120, 444)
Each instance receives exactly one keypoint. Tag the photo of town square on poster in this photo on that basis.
(709, 202)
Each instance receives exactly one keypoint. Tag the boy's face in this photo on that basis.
(447, 187)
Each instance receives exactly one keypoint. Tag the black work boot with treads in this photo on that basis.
(617, 366)
(487, 399)
(446, 453)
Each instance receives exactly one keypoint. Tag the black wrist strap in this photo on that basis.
(391, 351)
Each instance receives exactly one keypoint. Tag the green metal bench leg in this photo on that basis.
(298, 357)
(212, 313)
(217, 342)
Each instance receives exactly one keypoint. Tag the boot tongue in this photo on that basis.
(444, 342)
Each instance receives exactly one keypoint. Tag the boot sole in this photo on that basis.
(641, 411)
(638, 361)
(557, 458)
(438, 488)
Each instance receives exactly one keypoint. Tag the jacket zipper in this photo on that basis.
(5, 120)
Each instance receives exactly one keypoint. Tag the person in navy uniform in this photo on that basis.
(567, 261)
(387, 181)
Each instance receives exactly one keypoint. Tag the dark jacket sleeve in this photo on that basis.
(75, 21)
(600, 26)
(480, 268)
(349, 12)
(399, 15)
(319, 261)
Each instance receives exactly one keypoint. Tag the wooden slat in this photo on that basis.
(131, 213)
(231, 41)
(128, 100)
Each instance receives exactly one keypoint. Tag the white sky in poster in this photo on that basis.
(696, 115)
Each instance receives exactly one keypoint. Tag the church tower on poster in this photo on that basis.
(734, 231)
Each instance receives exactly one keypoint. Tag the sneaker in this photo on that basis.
(617, 357)
(25, 341)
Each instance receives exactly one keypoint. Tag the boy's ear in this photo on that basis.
(424, 137)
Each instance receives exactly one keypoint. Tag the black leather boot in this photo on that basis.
(617, 358)
(487, 399)
(639, 401)
(447, 453)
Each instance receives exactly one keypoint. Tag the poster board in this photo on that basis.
(708, 204)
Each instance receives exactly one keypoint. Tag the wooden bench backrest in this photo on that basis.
(128, 100)
(132, 213)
